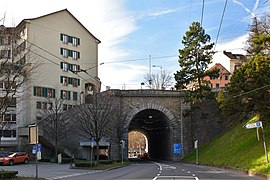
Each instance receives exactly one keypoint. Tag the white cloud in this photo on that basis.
(162, 12)
(235, 46)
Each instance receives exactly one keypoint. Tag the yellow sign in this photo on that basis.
(33, 135)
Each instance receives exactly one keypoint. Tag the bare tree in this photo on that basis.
(116, 127)
(55, 121)
(162, 80)
(14, 72)
(92, 120)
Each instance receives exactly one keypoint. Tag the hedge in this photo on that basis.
(8, 174)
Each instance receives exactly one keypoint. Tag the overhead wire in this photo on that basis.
(221, 21)
(202, 13)
(60, 61)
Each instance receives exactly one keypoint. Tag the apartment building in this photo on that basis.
(223, 79)
(63, 56)
(236, 60)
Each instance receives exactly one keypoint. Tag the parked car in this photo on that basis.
(14, 158)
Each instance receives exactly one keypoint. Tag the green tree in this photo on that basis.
(249, 90)
(194, 59)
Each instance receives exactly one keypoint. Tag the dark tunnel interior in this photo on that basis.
(155, 126)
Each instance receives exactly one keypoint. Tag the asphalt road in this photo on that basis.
(140, 170)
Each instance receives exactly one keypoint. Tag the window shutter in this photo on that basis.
(35, 91)
(43, 92)
(61, 65)
(78, 55)
(61, 51)
(53, 95)
(61, 37)
(75, 96)
(61, 94)
(61, 79)
(69, 80)
(69, 39)
(79, 82)
(78, 41)
(70, 53)
(79, 67)
(68, 93)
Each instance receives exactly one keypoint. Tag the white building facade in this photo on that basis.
(63, 56)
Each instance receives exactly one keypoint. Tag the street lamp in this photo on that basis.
(160, 69)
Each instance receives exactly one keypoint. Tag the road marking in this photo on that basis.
(175, 177)
(72, 175)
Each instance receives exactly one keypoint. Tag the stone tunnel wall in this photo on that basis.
(185, 129)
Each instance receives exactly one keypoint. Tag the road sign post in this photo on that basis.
(197, 151)
(92, 147)
(122, 143)
(257, 125)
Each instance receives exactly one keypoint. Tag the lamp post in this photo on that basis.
(161, 79)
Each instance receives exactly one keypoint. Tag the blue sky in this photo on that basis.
(132, 30)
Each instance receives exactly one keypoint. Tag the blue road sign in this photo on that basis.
(38, 147)
(34, 149)
(177, 148)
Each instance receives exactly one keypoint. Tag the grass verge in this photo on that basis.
(238, 148)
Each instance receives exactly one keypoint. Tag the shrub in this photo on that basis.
(84, 164)
(8, 174)
(105, 162)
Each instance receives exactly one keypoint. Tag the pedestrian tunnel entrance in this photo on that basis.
(154, 126)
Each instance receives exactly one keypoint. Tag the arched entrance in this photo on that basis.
(157, 124)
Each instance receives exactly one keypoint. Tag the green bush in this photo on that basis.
(8, 174)
(105, 162)
(84, 164)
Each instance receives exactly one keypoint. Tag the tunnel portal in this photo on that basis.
(155, 126)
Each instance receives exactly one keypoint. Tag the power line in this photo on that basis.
(202, 13)
(60, 61)
(224, 9)
(248, 92)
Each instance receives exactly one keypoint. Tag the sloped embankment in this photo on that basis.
(238, 148)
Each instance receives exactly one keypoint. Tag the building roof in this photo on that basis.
(235, 56)
(222, 69)
(25, 20)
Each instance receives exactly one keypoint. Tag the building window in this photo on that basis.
(65, 66)
(64, 80)
(220, 77)
(65, 94)
(226, 77)
(5, 40)
(64, 52)
(8, 133)
(44, 92)
(75, 96)
(74, 41)
(217, 85)
(44, 105)
(65, 107)
(50, 105)
(38, 105)
(11, 118)
(74, 55)
(5, 54)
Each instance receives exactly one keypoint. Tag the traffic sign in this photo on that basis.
(177, 148)
(38, 147)
(253, 125)
(34, 149)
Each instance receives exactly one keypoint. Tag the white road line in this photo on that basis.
(178, 177)
(72, 175)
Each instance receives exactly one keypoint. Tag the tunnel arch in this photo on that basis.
(157, 123)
